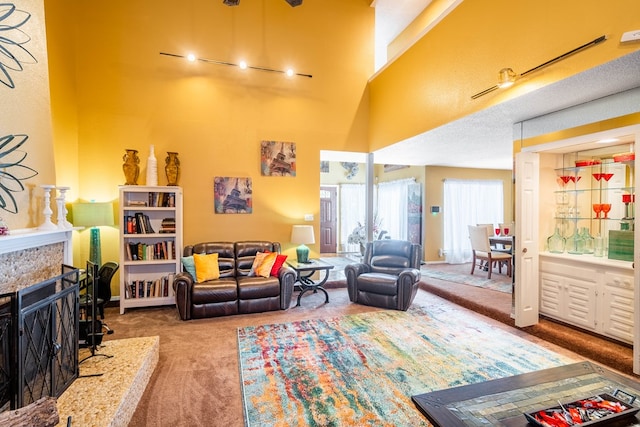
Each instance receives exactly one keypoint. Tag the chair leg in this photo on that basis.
(473, 264)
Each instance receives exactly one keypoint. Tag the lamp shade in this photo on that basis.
(302, 234)
(92, 214)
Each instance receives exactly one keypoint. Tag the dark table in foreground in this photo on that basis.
(304, 272)
(502, 402)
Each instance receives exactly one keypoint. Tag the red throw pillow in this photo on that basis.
(280, 259)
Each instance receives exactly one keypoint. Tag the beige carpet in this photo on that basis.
(197, 379)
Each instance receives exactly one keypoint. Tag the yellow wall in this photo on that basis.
(432, 83)
(111, 84)
(434, 196)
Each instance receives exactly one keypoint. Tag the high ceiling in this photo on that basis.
(485, 139)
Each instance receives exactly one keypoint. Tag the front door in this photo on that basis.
(328, 221)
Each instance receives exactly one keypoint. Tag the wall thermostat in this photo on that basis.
(435, 209)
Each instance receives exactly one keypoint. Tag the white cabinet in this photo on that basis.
(150, 244)
(587, 292)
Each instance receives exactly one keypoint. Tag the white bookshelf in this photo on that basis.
(149, 253)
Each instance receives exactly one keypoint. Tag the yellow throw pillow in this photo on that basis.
(262, 264)
(206, 267)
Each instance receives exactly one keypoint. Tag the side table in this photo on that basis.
(304, 271)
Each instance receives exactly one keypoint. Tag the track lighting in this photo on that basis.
(507, 77)
(292, 3)
(242, 64)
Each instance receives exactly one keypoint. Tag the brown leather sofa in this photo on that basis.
(388, 276)
(235, 291)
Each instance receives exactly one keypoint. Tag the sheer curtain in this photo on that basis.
(468, 202)
(352, 210)
(393, 207)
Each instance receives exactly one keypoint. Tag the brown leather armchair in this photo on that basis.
(388, 275)
(235, 291)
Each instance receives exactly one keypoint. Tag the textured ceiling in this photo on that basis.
(485, 139)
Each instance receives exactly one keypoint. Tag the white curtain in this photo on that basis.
(352, 211)
(392, 207)
(468, 202)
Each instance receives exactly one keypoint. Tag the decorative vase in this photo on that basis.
(556, 242)
(362, 249)
(172, 168)
(152, 168)
(130, 167)
(575, 243)
(598, 246)
(589, 241)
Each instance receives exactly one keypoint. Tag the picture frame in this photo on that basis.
(278, 158)
(233, 195)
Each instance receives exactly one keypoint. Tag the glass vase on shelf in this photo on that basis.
(589, 241)
(556, 242)
(575, 243)
(598, 246)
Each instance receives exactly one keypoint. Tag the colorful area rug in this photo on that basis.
(361, 370)
(467, 279)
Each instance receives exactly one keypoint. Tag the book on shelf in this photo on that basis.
(138, 251)
(164, 200)
(145, 288)
(136, 203)
(139, 223)
(168, 225)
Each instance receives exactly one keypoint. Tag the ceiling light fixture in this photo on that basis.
(294, 3)
(506, 76)
(242, 64)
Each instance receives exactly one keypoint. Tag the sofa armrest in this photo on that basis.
(287, 277)
(183, 285)
(352, 271)
(407, 287)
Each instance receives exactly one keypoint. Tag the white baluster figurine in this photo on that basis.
(47, 212)
(63, 223)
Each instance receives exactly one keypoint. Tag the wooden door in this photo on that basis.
(328, 220)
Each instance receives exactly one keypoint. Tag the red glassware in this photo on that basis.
(506, 231)
(565, 179)
(607, 176)
(575, 178)
(597, 208)
(497, 231)
(626, 198)
(606, 207)
(597, 176)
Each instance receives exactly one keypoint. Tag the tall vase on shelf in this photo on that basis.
(130, 167)
(172, 168)
(575, 243)
(152, 168)
(556, 242)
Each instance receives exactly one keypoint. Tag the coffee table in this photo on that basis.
(304, 271)
(503, 401)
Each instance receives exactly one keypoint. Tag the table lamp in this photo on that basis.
(302, 235)
(93, 215)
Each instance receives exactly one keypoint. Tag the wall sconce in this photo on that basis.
(507, 77)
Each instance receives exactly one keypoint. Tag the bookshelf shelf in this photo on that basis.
(150, 244)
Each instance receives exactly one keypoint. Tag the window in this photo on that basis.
(468, 202)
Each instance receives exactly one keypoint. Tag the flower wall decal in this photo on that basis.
(12, 171)
(12, 40)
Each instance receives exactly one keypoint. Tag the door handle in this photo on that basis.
(524, 250)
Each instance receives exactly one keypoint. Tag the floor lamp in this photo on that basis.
(93, 215)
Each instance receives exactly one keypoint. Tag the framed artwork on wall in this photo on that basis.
(324, 166)
(232, 195)
(278, 158)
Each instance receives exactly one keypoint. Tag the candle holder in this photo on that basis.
(62, 209)
(47, 212)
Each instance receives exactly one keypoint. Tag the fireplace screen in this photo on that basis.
(47, 337)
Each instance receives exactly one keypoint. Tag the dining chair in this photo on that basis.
(482, 251)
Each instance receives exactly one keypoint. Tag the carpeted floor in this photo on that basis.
(197, 380)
